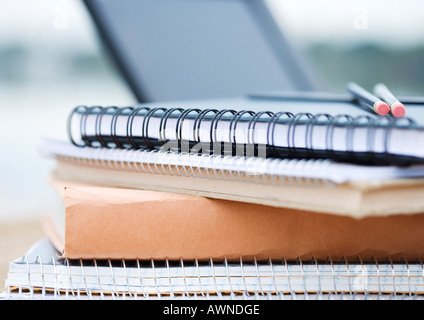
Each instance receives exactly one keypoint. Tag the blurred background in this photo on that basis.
(364, 41)
(52, 60)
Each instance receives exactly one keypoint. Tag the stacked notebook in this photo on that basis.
(262, 195)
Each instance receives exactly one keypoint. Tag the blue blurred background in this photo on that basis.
(51, 60)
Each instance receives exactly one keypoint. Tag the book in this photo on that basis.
(314, 185)
(42, 274)
(259, 127)
(118, 223)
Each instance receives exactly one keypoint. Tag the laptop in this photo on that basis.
(171, 50)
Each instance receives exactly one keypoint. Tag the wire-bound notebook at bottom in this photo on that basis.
(41, 272)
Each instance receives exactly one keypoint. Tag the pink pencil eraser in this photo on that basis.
(381, 108)
(398, 110)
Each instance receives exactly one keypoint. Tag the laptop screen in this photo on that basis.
(196, 49)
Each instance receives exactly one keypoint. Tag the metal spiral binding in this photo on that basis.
(233, 168)
(290, 120)
(216, 279)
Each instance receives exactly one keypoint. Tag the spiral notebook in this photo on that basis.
(320, 128)
(40, 273)
(316, 185)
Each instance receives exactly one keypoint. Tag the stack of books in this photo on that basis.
(206, 199)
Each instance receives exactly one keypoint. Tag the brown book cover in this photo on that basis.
(118, 223)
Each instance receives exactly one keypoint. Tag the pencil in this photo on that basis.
(396, 108)
(368, 99)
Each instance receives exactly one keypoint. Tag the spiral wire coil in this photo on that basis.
(61, 278)
(248, 169)
(234, 118)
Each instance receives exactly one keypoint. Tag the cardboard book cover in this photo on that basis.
(118, 223)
